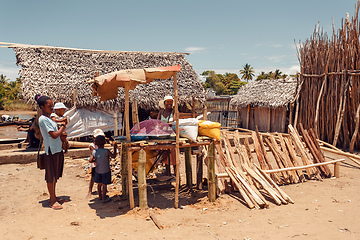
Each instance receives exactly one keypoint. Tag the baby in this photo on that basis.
(59, 118)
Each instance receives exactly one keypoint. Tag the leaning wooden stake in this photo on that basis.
(354, 136)
(142, 179)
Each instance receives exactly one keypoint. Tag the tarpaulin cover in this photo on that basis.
(106, 86)
(83, 122)
(151, 127)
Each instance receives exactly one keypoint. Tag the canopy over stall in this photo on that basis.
(106, 87)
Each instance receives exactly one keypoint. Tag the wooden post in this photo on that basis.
(135, 114)
(238, 118)
(316, 121)
(248, 117)
(126, 115)
(177, 142)
(205, 112)
(211, 173)
(199, 169)
(143, 204)
(337, 169)
(116, 132)
(128, 140)
(188, 167)
(124, 185)
(129, 178)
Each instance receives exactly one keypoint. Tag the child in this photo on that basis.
(59, 118)
(101, 157)
(92, 147)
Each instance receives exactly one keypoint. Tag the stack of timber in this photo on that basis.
(249, 179)
(271, 160)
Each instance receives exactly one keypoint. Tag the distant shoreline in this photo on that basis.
(24, 112)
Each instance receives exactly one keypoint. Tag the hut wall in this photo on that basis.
(221, 111)
(260, 117)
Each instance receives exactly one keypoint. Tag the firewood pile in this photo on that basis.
(257, 163)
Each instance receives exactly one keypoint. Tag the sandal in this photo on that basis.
(62, 200)
(56, 206)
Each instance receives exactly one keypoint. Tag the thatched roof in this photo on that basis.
(265, 93)
(57, 71)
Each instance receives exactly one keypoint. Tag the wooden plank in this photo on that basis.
(293, 158)
(304, 166)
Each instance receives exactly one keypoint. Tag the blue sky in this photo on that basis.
(219, 35)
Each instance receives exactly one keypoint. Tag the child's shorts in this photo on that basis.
(104, 178)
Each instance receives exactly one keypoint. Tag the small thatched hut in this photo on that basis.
(57, 72)
(265, 104)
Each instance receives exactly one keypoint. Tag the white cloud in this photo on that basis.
(195, 50)
(276, 58)
(9, 69)
(277, 45)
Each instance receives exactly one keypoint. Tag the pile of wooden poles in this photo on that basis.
(279, 159)
(329, 100)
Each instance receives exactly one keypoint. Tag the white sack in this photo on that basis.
(188, 128)
(83, 122)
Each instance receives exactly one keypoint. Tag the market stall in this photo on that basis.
(106, 87)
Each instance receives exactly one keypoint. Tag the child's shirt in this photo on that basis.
(47, 125)
(102, 160)
(94, 147)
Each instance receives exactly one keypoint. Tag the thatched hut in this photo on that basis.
(265, 104)
(57, 72)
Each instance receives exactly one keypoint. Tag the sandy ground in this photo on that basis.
(327, 209)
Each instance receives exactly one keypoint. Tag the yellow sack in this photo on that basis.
(209, 129)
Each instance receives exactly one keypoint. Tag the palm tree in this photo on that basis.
(277, 74)
(247, 72)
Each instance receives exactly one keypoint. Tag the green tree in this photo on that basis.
(235, 85)
(247, 72)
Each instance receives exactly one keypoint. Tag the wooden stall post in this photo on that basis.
(188, 167)
(124, 185)
(128, 140)
(199, 169)
(177, 142)
(211, 173)
(115, 124)
(135, 113)
(269, 120)
(143, 204)
(337, 169)
(129, 177)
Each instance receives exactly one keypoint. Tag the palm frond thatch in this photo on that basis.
(56, 72)
(265, 93)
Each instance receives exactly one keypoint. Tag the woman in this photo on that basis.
(166, 114)
(54, 156)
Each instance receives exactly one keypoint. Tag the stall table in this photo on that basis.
(164, 144)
